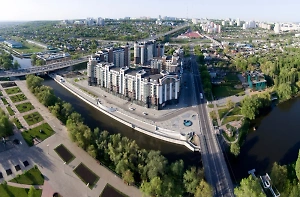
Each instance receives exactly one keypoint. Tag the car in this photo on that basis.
(131, 108)
(145, 114)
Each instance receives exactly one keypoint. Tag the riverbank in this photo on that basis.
(140, 126)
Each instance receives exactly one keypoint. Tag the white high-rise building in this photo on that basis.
(277, 28)
(238, 22)
(100, 21)
(223, 23)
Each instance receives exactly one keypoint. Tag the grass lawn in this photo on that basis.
(33, 118)
(24, 107)
(17, 123)
(4, 101)
(64, 153)
(28, 135)
(222, 112)
(30, 177)
(111, 191)
(235, 111)
(210, 105)
(227, 89)
(13, 90)
(1, 93)
(86, 175)
(9, 191)
(29, 48)
(18, 98)
(230, 139)
(10, 111)
(228, 119)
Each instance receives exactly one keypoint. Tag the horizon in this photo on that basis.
(256, 10)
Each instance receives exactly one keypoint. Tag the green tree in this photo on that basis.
(297, 166)
(155, 165)
(249, 187)
(279, 176)
(6, 127)
(284, 91)
(203, 190)
(191, 179)
(250, 107)
(230, 104)
(92, 151)
(128, 177)
(16, 65)
(152, 188)
(177, 168)
(31, 192)
(235, 149)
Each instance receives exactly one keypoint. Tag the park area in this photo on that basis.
(14, 90)
(229, 88)
(111, 191)
(9, 191)
(24, 107)
(86, 175)
(30, 177)
(64, 153)
(33, 118)
(8, 84)
(18, 98)
(40, 132)
(10, 111)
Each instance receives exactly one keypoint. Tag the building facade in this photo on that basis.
(120, 57)
(149, 87)
(146, 51)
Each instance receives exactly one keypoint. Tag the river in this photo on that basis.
(94, 118)
(24, 62)
(277, 139)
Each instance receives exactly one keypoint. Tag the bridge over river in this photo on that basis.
(42, 69)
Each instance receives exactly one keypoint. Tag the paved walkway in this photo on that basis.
(59, 176)
(24, 185)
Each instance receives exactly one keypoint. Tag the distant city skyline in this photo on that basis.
(259, 10)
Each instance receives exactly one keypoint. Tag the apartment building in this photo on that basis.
(150, 87)
(146, 51)
(120, 57)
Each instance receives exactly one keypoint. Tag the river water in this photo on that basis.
(24, 62)
(94, 118)
(276, 139)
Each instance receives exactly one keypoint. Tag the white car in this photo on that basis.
(131, 108)
(145, 114)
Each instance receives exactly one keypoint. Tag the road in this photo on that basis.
(216, 171)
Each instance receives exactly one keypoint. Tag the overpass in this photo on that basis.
(42, 69)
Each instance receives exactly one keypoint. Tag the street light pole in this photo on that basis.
(87, 189)
(48, 148)
(64, 167)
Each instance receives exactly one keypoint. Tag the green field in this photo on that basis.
(228, 119)
(227, 89)
(18, 98)
(4, 101)
(17, 123)
(24, 107)
(30, 177)
(10, 111)
(235, 111)
(29, 48)
(33, 118)
(222, 112)
(9, 191)
(13, 90)
(28, 135)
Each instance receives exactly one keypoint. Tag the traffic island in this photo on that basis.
(64, 153)
(86, 175)
(111, 191)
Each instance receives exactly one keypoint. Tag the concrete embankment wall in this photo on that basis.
(160, 135)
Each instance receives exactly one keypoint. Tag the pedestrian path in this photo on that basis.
(24, 185)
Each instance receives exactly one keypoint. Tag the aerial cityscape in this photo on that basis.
(150, 99)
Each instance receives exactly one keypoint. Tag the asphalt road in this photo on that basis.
(216, 171)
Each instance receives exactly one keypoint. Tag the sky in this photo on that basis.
(259, 10)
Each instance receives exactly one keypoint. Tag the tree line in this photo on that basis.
(284, 177)
(148, 169)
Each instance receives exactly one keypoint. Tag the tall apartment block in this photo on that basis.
(146, 51)
(120, 57)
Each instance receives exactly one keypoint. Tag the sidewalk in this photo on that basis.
(24, 186)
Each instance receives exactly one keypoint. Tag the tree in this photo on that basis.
(177, 168)
(249, 187)
(297, 167)
(284, 91)
(235, 149)
(191, 180)
(155, 165)
(152, 188)
(250, 107)
(16, 65)
(128, 177)
(92, 151)
(33, 59)
(204, 190)
(279, 176)
(230, 104)
(31, 192)
(6, 127)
